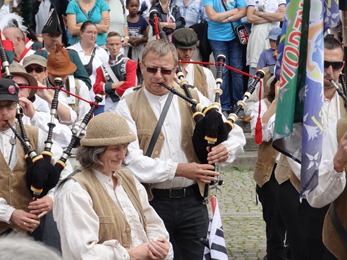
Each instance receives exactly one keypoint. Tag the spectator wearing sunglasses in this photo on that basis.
(35, 65)
(116, 75)
(307, 237)
(171, 170)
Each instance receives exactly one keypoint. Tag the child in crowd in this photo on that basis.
(267, 61)
(269, 56)
(138, 32)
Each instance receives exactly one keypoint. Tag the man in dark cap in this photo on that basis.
(18, 211)
(185, 41)
(52, 35)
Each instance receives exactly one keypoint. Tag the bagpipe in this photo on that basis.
(210, 128)
(41, 174)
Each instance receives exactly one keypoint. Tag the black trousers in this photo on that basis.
(47, 232)
(186, 220)
(304, 224)
(275, 228)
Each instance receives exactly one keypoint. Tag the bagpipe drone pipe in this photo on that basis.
(210, 128)
(41, 174)
(154, 20)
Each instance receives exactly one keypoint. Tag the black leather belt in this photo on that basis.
(176, 193)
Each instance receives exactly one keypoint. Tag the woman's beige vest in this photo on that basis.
(113, 225)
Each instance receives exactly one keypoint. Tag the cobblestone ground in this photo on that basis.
(244, 228)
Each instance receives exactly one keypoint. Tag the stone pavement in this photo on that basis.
(243, 225)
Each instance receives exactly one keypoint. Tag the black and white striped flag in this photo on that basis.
(215, 248)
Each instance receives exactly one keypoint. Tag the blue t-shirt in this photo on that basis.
(93, 15)
(266, 59)
(136, 29)
(222, 31)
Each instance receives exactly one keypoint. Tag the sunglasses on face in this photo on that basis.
(335, 65)
(155, 70)
(37, 69)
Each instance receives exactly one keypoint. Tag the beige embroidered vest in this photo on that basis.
(146, 123)
(13, 186)
(200, 79)
(265, 160)
(113, 225)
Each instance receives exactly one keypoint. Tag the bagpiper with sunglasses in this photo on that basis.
(70, 110)
(307, 237)
(164, 156)
(116, 75)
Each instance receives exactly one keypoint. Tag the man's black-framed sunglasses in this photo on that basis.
(154, 70)
(38, 69)
(335, 64)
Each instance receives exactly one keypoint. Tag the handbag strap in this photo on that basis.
(159, 125)
(92, 57)
(225, 8)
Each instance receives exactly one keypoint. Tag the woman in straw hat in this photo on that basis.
(102, 212)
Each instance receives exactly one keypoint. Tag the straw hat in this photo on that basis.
(107, 129)
(59, 63)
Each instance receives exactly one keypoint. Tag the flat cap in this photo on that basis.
(184, 38)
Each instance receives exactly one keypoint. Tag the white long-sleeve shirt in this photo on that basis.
(61, 133)
(5, 209)
(267, 129)
(78, 224)
(330, 183)
(161, 171)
